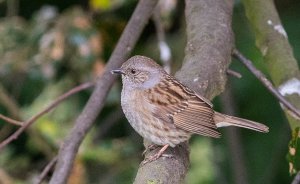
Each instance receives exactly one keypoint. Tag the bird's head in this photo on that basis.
(140, 72)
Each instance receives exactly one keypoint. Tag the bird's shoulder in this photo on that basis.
(170, 91)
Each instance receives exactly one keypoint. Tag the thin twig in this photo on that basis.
(234, 73)
(46, 170)
(44, 111)
(85, 120)
(11, 121)
(258, 74)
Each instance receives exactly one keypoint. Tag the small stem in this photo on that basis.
(234, 73)
(46, 170)
(11, 121)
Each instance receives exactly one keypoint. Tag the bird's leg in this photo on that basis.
(157, 155)
(149, 148)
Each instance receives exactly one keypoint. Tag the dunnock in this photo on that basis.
(166, 112)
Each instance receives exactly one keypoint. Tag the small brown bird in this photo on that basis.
(164, 111)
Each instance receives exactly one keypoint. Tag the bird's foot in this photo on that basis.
(157, 155)
(150, 148)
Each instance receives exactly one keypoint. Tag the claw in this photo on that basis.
(149, 148)
(157, 155)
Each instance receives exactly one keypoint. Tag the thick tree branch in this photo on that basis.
(208, 53)
(272, 41)
(94, 105)
(209, 45)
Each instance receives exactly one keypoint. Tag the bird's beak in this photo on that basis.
(118, 71)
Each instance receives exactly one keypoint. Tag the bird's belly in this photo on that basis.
(153, 128)
(160, 134)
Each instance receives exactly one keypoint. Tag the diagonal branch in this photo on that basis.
(46, 170)
(29, 122)
(263, 79)
(84, 122)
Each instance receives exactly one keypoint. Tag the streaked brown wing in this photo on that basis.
(179, 105)
(196, 118)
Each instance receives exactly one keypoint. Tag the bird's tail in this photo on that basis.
(223, 120)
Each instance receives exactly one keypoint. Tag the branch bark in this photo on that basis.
(207, 56)
(272, 41)
(296, 180)
(94, 105)
(209, 46)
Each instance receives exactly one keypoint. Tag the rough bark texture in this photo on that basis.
(209, 46)
(208, 53)
(272, 41)
(85, 120)
(165, 170)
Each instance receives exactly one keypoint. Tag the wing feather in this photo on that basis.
(175, 103)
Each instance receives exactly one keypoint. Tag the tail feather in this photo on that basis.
(223, 120)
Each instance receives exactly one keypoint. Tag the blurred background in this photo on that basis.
(49, 46)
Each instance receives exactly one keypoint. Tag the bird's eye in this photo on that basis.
(133, 71)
